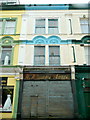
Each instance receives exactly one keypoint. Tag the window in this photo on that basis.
(40, 26)
(39, 55)
(6, 55)
(52, 26)
(54, 55)
(6, 93)
(7, 26)
(84, 25)
(87, 54)
(46, 26)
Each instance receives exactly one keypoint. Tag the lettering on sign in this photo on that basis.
(3, 81)
(28, 76)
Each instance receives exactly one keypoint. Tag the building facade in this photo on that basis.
(40, 45)
(10, 28)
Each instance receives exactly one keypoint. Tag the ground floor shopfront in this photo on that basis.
(48, 92)
(9, 88)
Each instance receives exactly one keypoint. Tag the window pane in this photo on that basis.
(39, 60)
(9, 30)
(84, 21)
(54, 60)
(54, 55)
(40, 31)
(84, 28)
(40, 26)
(52, 30)
(53, 22)
(6, 55)
(39, 56)
(10, 23)
(54, 50)
(40, 22)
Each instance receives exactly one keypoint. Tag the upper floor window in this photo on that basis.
(6, 55)
(52, 26)
(39, 55)
(84, 25)
(87, 54)
(40, 26)
(7, 26)
(54, 55)
(46, 26)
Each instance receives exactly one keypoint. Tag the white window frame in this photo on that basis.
(39, 55)
(55, 55)
(57, 26)
(35, 25)
(46, 24)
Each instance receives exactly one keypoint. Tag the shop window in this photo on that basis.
(40, 26)
(6, 55)
(52, 26)
(39, 55)
(6, 93)
(84, 25)
(54, 55)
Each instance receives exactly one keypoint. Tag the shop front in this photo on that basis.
(46, 93)
(9, 89)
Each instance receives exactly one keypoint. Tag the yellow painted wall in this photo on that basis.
(13, 14)
(15, 55)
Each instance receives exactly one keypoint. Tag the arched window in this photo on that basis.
(6, 50)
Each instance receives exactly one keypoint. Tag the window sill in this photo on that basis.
(5, 111)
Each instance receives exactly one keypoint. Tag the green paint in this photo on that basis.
(11, 66)
(86, 39)
(80, 99)
(16, 99)
(83, 94)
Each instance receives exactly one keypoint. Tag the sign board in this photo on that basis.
(30, 76)
(3, 81)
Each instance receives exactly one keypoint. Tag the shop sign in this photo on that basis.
(30, 76)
